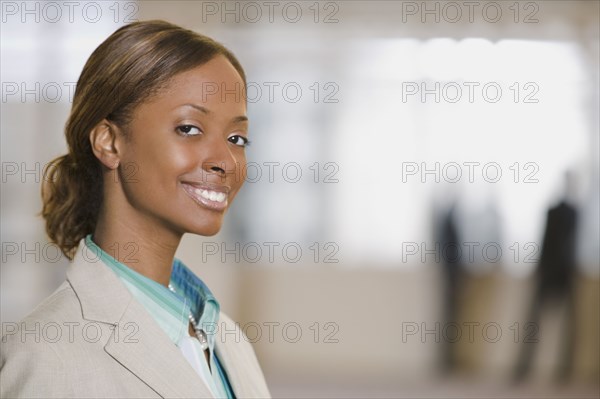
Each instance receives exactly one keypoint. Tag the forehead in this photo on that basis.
(215, 84)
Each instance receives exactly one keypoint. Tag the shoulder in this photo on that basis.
(58, 309)
(28, 352)
(60, 306)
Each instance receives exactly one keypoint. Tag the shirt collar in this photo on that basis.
(203, 305)
(191, 294)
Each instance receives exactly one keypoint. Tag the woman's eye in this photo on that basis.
(239, 140)
(188, 130)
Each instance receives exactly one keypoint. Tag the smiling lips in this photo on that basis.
(211, 196)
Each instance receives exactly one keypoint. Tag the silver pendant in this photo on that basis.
(201, 335)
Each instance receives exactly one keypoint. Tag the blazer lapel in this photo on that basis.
(138, 342)
(147, 351)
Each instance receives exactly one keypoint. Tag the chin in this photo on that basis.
(207, 231)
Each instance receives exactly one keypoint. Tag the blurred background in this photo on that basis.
(421, 213)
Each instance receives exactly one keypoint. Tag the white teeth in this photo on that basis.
(211, 195)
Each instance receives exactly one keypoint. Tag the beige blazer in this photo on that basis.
(91, 338)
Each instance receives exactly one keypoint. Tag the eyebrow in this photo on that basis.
(204, 110)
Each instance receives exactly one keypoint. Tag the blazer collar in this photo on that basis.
(137, 341)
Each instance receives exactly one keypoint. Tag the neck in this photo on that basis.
(138, 243)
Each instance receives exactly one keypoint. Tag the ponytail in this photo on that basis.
(71, 195)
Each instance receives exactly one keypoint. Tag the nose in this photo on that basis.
(218, 170)
(219, 159)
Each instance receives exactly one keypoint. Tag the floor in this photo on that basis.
(455, 387)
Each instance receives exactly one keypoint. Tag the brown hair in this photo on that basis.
(131, 65)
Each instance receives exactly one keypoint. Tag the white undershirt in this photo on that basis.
(190, 347)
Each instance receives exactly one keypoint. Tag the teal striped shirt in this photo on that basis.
(171, 311)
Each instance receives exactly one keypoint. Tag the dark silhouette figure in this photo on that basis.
(555, 278)
(450, 251)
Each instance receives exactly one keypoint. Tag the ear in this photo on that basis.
(105, 141)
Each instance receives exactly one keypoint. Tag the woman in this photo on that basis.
(156, 137)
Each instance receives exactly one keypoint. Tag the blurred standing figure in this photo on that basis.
(555, 279)
(450, 255)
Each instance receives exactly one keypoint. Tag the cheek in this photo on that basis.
(165, 161)
(242, 164)
(242, 170)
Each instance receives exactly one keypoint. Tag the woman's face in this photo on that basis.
(184, 160)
